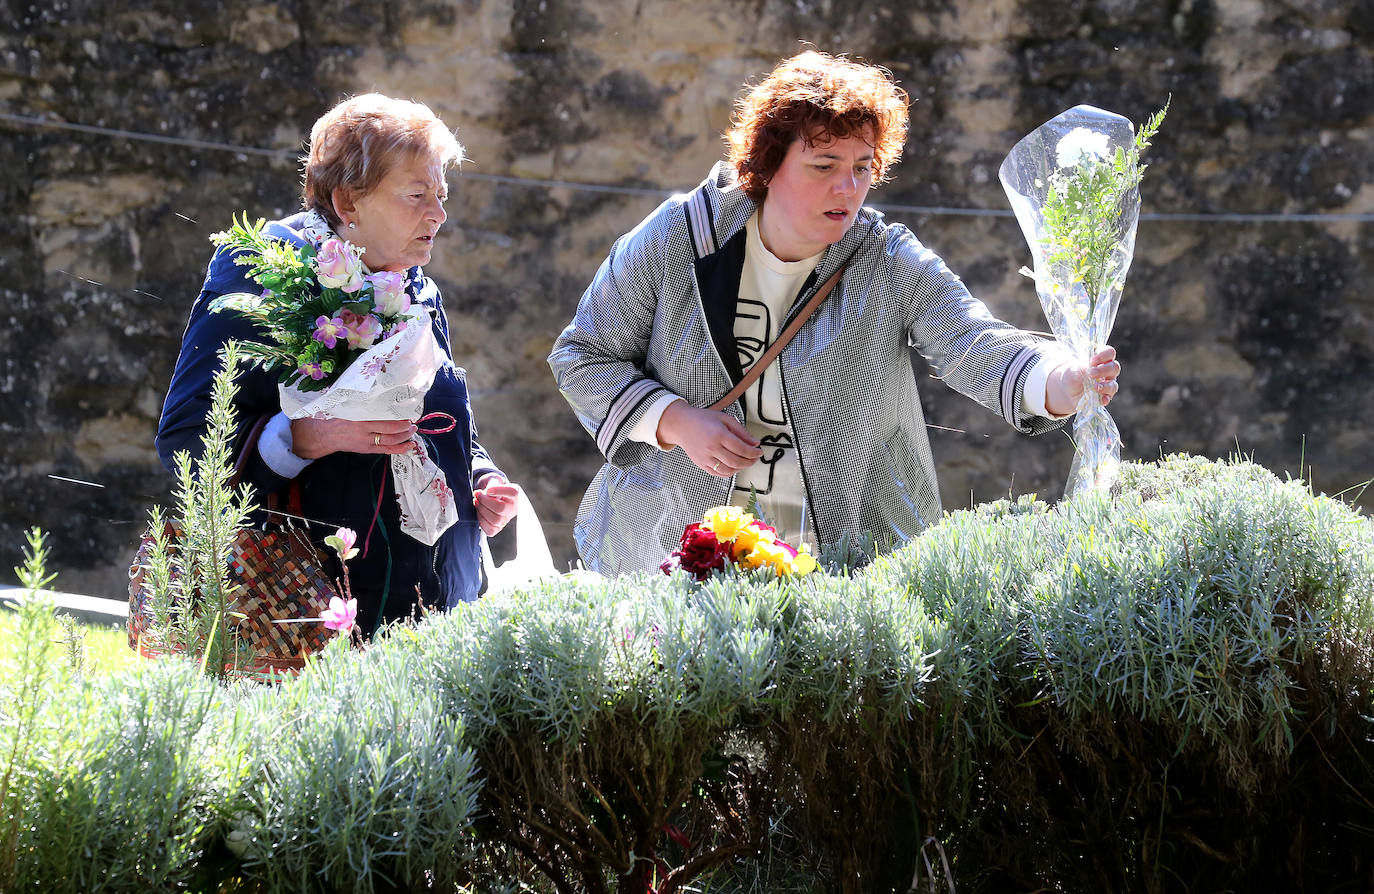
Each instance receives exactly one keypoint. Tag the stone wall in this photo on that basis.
(1236, 334)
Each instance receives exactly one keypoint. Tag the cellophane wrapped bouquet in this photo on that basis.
(347, 345)
(1073, 183)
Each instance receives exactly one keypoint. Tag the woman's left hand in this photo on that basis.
(314, 438)
(497, 501)
(1065, 385)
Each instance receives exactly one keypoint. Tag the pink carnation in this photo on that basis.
(362, 331)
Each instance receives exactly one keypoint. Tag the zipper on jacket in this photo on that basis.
(807, 502)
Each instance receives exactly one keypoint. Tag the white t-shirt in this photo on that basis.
(768, 288)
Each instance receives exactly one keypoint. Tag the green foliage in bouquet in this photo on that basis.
(1085, 206)
(317, 305)
(291, 300)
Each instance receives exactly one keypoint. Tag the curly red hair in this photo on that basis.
(815, 97)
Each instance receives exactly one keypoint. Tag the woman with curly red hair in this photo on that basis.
(829, 438)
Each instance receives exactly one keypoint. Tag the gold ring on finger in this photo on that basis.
(377, 439)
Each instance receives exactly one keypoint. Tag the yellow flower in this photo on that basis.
(726, 521)
(767, 552)
(804, 562)
(748, 536)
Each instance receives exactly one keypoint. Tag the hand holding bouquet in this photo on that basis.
(728, 535)
(1073, 185)
(347, 345)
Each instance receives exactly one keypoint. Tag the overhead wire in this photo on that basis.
(663, 192)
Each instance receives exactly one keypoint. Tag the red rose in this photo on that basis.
(700, 552)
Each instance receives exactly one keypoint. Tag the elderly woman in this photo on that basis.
(830, 438)
(375, 176)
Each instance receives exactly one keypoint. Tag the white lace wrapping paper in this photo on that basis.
(389, 381)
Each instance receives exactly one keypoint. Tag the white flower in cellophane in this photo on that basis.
(1072, 183)
(1078, 143)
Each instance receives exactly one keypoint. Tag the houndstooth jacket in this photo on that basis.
(645, 326)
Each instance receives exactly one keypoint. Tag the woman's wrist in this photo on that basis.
(1060, 399)
(277, 448)
(666, 431)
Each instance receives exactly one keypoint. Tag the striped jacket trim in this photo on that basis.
(1013, 379)
(623, 407)
(701, 225)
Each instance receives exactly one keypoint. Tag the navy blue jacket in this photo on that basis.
(340, 490)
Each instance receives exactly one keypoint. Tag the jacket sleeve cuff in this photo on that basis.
(275, 448)
(481, 470)
(1034, 396)
(645, 430)
(1014, 383)
(628, 408)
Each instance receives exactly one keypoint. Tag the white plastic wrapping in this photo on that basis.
(1082, 251)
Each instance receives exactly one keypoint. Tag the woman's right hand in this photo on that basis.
(314, 438)
(714, 440)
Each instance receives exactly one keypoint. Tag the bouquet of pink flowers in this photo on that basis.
(317, 304)
(348, 345)
(728, 535)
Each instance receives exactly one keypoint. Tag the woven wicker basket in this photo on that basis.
(281, 577)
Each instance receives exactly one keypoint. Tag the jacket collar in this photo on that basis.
(729, 209)
(725, 209)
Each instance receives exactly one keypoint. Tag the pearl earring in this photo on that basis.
(352, 225)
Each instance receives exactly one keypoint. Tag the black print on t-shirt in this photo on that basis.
(750, 349)
(774, 448)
